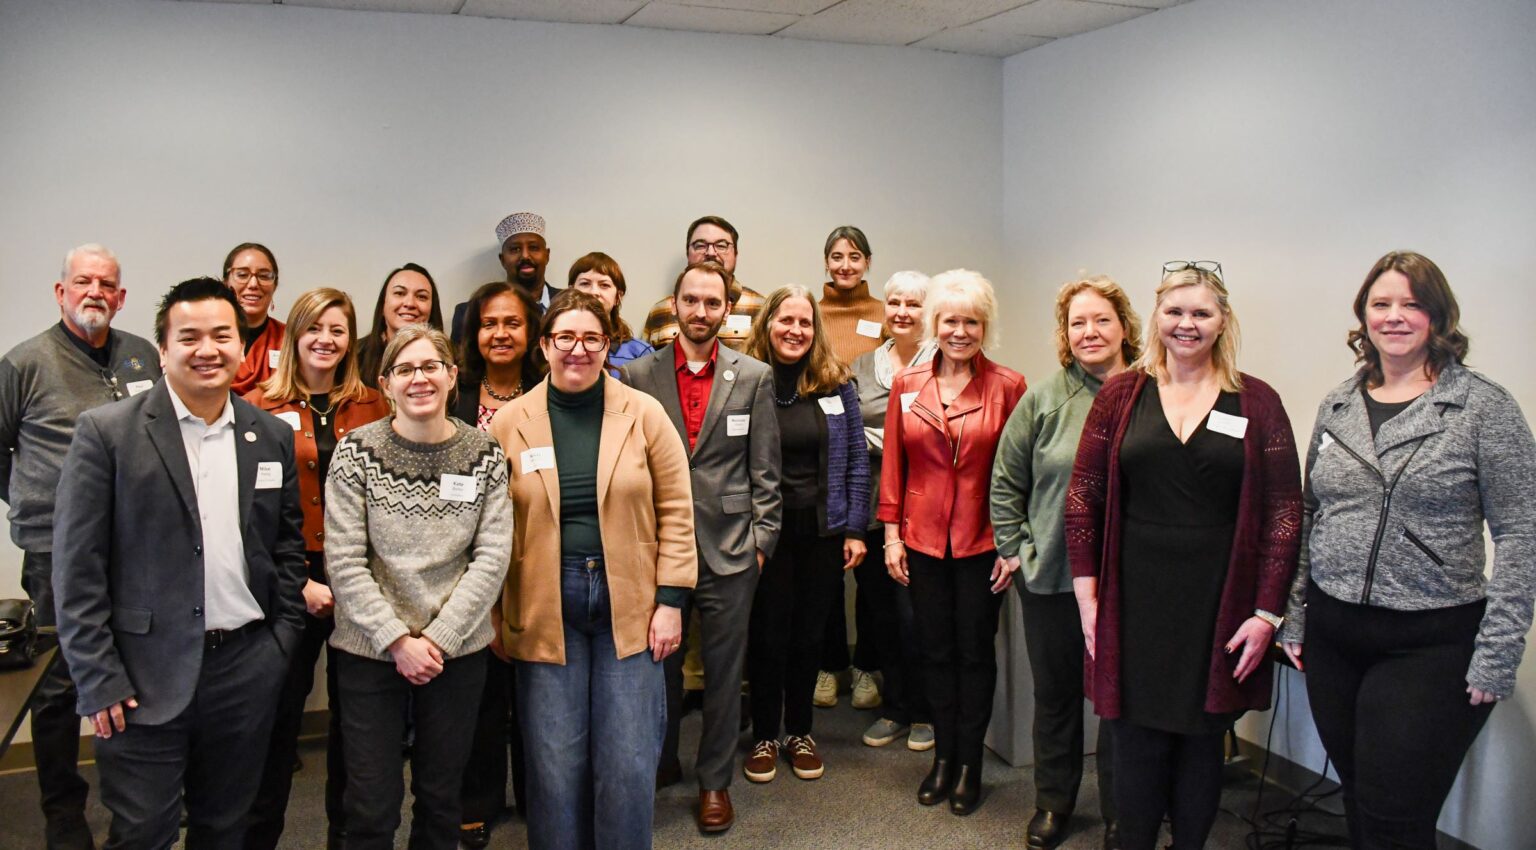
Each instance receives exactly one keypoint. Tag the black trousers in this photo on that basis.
(1053, 637)
(374, 701)
(794, 594)
(1388, 695)
(889, 631)
(267, 813)
(210, 755)
(1161, 773)
(834, 649)
(498, 742)
(956, 615)
(55, 726)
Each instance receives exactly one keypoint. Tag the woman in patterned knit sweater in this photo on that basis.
(412, 608)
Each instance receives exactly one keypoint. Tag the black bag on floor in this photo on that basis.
(18, 633)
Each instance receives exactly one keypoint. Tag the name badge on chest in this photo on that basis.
(537, 458)
(269, 475)
(831, 405)
(458, 488)
(1224, 423)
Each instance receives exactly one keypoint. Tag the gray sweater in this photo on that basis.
(45, 384)
(401, 558)
(1459, 455)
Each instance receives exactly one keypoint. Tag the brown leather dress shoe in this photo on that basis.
(715, 812)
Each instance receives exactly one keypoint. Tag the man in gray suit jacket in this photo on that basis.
(722, 404)
(178, 561)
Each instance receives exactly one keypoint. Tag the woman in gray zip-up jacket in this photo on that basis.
(1407, 461)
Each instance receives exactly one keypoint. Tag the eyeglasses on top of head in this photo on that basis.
(566, 341)
(407, 371)
(1208, 266)
(699, 246)
(244, 275)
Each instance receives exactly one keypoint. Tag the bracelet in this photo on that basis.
(891, 543)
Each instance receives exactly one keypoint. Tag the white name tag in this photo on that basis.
(868, 328)
(535, 459)
(458, 488)
(269, 475)
(1325, 442)
(272, 358)
(832, 405)
(1232, 426)
(292, 418)
(738, 322)
(136, 387)
(906, 401)
(736, 424)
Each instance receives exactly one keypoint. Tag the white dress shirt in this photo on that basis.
(227, 599)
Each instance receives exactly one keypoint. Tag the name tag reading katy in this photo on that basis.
(831, 405)
(1232, 426)
(457, 488)
(906, 401)
(136, 387)
(736, 424)
(272, 357)
(292, 418)
(535, 459)
(868, 328)
(738, 322)
(269, 475)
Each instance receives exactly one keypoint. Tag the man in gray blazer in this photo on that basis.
(722, 404)
(178, 561)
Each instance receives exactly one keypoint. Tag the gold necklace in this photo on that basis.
(486, 383)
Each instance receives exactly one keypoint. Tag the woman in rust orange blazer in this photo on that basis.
(941, 433)
(603, 559)
(316, 389)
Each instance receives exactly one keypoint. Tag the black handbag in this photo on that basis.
(18, 633)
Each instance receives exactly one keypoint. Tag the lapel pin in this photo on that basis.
(250, 436)
(729, 375)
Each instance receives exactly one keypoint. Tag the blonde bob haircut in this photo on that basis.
(407, 335)
(1223, 353)
(287, 382)
(1106, 288)
(824, 373)
(961, 291)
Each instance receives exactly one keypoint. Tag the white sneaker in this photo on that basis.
(866, 694)
(826, 690)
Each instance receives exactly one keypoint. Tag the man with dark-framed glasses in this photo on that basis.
(715, 239)
(46, 382)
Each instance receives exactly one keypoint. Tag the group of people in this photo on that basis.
(504, 533)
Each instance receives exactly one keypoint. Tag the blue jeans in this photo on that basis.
(592, 728)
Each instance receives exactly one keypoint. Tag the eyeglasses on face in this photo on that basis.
(699, 246)
(407, 371)
(1208, 266)
(566, 341)
(244, 275)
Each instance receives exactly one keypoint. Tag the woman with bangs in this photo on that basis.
(1182, 526)
(599, 275)
(940, 442)
(825, 489)
(408, 297)
(316, 389)
(1097, 335)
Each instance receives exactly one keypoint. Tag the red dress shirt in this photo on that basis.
(693, 390)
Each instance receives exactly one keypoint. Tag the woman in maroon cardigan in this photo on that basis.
(1182, 524)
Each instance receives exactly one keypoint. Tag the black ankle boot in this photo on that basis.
(966, 793)
(935, 785)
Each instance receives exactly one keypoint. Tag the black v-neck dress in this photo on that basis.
(1180, 511)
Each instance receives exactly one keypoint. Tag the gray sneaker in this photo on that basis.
(882, 732)
(921, 737)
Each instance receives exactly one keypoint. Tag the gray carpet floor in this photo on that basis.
(865, 800)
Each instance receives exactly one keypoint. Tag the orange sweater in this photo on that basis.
(841, 313)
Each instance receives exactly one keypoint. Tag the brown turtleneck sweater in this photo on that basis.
(840, 315)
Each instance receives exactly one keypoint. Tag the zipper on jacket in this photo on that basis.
(1423, 547)
(1386, 507)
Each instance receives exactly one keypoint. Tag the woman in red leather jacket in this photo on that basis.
(941, 433)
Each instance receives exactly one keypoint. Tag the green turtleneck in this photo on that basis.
(576, 420)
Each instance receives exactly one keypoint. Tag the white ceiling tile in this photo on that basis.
(1061, 18)
(677, 16)
(981, 42)
(435, 7)
(868, 22)
(788, 7)
(564, 11)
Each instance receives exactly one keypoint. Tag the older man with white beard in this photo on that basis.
(45, 384)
